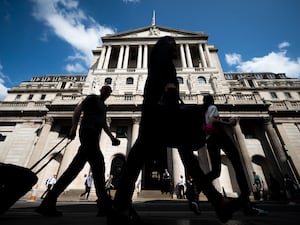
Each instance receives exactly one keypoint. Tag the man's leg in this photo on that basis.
(135, 160)
(48, 205)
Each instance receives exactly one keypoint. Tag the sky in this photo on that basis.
(39, 37)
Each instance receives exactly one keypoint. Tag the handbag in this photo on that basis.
(181, 124)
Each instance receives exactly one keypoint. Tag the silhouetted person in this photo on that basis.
(291, 188)
(217, 139)
(274, 188)
(161, 81)
(92, 123)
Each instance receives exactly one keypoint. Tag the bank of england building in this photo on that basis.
(37, 114)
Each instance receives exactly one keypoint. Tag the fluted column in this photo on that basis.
(39, 149)
(209, 62)
(107, 57)
(188, 56)
(101, 59)
(139, 58)
(202, 57)
(277, 147)
(135, 129)
(126, 57)
(145, 57)
(244, 152)
(182, 56)
(120, 58)
(178, 167)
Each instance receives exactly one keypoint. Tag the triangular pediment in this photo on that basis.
(154, 32)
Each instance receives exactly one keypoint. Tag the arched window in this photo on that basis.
(180, 80)
(129, 80)
(201, 80)
(107, 81)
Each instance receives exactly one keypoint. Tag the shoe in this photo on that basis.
(253, 211)
(48, 211)
(226, 208)
(124, 217)
(195, 207)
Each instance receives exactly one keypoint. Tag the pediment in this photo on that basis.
(153, 32)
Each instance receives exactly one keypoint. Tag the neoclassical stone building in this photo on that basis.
(37, 114)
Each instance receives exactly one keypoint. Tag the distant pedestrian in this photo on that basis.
(88, 185)
(180, 185)
(109, 184)
(166, 182)
(259, 186)
(49, 185)
(291, 188)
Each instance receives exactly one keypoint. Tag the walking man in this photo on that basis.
(92, 123)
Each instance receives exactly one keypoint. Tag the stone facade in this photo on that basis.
(37, 114)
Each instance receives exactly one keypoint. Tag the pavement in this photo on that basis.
(156, 212)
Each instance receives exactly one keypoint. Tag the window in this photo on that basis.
(30, 97)
(129, 80)
(63, 85)
(2, 137)
(180, 80)
(201, 80)
(107, 81)
(250, 82)
(287, 95)
(273, 95)
(43, 96)
(18, 97)
(121, 132)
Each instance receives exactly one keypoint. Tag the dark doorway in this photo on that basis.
(153, 170)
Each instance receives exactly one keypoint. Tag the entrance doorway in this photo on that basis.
(153, 169)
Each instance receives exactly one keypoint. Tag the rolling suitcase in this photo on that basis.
(16, 181)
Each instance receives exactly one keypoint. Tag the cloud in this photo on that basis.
(276, 62)
(3, 89)
(71, 24)
(233, 59)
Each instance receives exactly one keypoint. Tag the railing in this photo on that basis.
(25, 106)
(284, 105)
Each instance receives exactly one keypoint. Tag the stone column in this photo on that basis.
(188, 56)
(126, 57)
(135, 129)
(68, 154)
(202, 57)
(209, 62)
(178, 167)
(182, 56)
(245, 157)
(145, 57)
(120, 58)
(139, 59)
(39, 149)
(101, 59)
(278, 149)
(107, 57)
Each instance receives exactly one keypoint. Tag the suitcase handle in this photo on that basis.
(53, 157)
(51, 150)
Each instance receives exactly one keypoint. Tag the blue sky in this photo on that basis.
(41, 37)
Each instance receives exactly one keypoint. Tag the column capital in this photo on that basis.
(136, 120)
(49, 120)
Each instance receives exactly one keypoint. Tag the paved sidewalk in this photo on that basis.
(156, 212)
